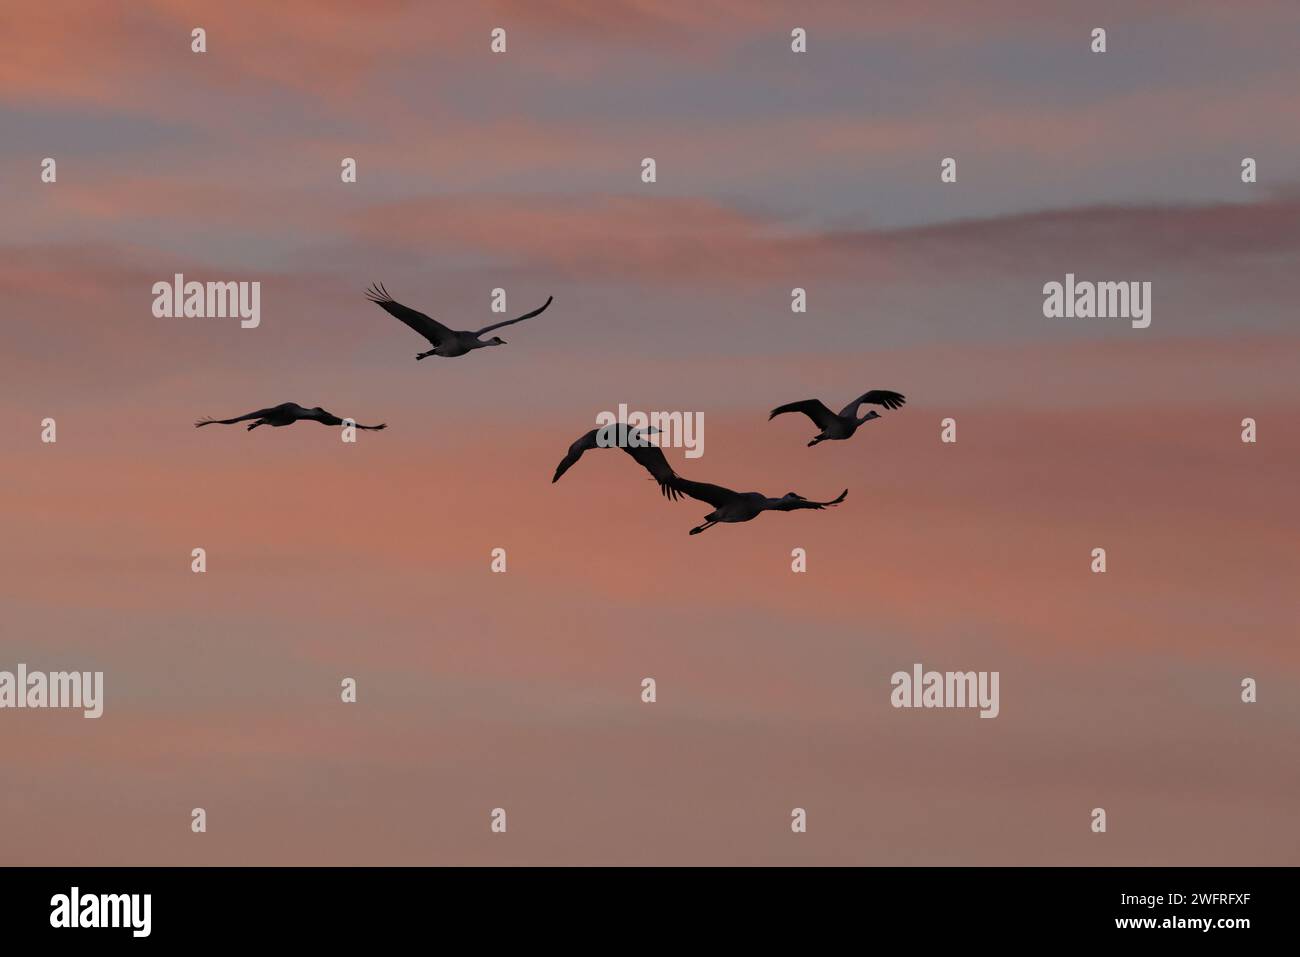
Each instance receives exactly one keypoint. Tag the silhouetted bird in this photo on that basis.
(446, 342)
(846, 423)
(729, 506)
(286, 414)
(649, 457)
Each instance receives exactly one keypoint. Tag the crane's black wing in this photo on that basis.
(649, 457)
(431, 329)
(582, 444)
(715, 495)
(890, 400)
(813, 408)
(509, 322)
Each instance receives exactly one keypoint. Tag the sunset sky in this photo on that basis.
(522, 690)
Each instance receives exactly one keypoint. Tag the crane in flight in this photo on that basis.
(284, 414)
(446, 342)
(730, 506)
(837, 427)
(635, 443)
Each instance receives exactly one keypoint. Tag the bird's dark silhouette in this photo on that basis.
(843, 425)
(446, 342)
(635, 443)
(285, 414)
(729, 506)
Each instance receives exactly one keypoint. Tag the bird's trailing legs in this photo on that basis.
(206, 420)
(699, 528)
(425, 355)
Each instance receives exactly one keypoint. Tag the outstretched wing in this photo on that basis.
(323, 416)
(715, 495)
(790, 504)
(651, 458)
(813, 408)
(890, 400)
(432, 330)
(509, 322)
(581, 445)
